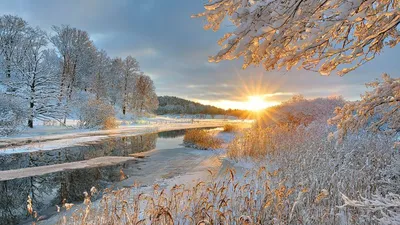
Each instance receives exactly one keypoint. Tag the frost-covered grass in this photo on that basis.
(295, 176)
(363, 167)
(229, 127)
(299, 177)
(201, 139)
(252, 198)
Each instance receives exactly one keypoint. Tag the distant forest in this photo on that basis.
(175, 105)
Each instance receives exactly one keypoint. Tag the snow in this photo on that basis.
(48, 138)
(41, 170)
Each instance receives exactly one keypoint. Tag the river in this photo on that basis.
(157, 156)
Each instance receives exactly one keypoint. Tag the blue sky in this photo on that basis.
(173, 49)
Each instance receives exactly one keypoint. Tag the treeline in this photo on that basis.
(55, 75)
(174, 105)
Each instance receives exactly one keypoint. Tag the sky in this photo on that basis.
(172, 48)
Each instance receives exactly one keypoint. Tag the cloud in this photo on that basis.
(174, 49)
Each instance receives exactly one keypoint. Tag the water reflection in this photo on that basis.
(51, 189)
(179, 133)
(118, 146)
(171, 134)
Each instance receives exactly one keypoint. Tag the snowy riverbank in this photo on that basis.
(40, 140)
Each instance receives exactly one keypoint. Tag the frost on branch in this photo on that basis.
(383, 209)
(97, 114)
(316, 35)
(12, 115)
(377, 111)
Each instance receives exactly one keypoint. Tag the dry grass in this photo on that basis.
(359, 168)
(256, 143)
(300, 181)
(250, 199)
(110, 123)
(201, 139)
(231, 127)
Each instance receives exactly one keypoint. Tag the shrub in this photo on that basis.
(110, 123)
(230, 127)
(12, 115)
(201, 139)
(301, 111)
(97, 114)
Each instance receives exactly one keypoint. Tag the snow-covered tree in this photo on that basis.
(377, 111)
(50, 77)
(77, 52)
(301, 111)
(78, 59)
(97, 114)
(316, 35)
(37, 80)
(12, 30)
(114, 88)
(144, 96)
(130, 71)
(101, 75)
(12, 114)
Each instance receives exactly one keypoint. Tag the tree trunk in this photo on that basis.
(8, 70)
(125, 93)
(62, 82)
(8, 66)
(30, 119)
(32, 102)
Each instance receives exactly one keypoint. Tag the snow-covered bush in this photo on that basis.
(301, 111)
(12, 115)
(378, 111)
(97, 114)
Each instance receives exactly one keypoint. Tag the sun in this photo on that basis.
(256, 103)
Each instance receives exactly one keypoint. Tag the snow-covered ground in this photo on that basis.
(50, 137)
(41, 170)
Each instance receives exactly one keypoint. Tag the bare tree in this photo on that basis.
(144, 97)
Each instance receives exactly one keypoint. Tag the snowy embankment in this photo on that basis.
(48, 138)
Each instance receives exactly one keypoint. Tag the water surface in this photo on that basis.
(166, 158)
